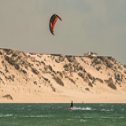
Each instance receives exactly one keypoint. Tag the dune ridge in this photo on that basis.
(42, 78)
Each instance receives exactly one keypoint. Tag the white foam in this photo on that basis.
(81, 108)
(83, 120)
(121, 117)
(107, 110)
(5, 115)
(37, 116)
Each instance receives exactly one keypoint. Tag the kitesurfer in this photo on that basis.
(71, 105)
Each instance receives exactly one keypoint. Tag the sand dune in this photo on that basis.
(39, 78)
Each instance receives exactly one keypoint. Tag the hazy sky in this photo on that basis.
(88, 25)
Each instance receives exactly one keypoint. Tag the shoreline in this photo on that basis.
(89, 98)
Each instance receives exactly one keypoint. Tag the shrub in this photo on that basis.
(11, 77)
(70, 58)
(110, 83)
(59, 59)
(81, 75)
(100, 80)
(124, 65)
(8, 51)
(35, 82)
(11, 61)
(60, 74)
(87, 89)
(96, 61)
(125, 71)
(98, 68)
(8, 96)
(24, 71)
(118, 76)
(17, 67)
(90, 84)
(112, 86)
(0, 53)
(53, 89)
(50, 67)
(70, 79)
(59, 81)
(68, 67)
(35, 71)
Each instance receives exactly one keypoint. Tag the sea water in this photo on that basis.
(61, 115)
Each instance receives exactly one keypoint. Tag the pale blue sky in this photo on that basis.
(88, 25)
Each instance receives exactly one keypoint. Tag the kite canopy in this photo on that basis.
(53, 21)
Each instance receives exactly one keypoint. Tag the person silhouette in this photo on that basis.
(71, 105)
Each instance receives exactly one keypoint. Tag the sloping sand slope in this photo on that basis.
(37, 78)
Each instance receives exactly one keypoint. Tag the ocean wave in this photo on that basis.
(107, 110)
(37, 116)
(83, 120)
(5, 115)
(81, 108)
(69, 119)
(24, 116)
(112, 117)
(88, 117)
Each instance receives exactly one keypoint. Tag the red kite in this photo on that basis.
(53, 21)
